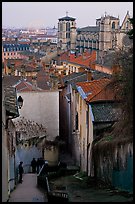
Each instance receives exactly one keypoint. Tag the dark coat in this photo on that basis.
(21, 171)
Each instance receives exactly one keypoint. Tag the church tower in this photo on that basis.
(66, 33)
(108, 28)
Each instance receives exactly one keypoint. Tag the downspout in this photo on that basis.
(87, 139)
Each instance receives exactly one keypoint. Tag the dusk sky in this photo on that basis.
(46, 14)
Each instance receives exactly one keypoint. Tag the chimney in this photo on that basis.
(89, 75)
(34, 83)
(115, 69)
(84, 55)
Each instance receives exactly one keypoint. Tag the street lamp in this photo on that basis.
(20, 102)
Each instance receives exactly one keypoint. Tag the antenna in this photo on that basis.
(66, 13)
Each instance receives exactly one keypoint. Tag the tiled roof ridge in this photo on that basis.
(106, 80)
(27, 84)
(95, 80)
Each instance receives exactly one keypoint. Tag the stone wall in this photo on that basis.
(113, 163)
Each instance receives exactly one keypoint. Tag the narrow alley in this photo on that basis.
(77, 189)
(27, 191)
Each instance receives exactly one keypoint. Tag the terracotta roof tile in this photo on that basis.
(93, 88)
(86, 59)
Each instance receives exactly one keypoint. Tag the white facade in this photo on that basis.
(43, 108)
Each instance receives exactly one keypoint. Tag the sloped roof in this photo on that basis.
(73, 78)
(66, 18)
(24, 85)
(10, 80)
(86, 59)
(28, 68)
(92, 29)
(89, 90)
(98, 75)
(41, 80)
(11, 101)
(105, 112)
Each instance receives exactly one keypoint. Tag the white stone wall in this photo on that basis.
(43, 108)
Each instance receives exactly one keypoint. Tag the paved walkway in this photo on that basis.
(28, 191)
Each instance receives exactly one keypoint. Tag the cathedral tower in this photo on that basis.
(66, 33)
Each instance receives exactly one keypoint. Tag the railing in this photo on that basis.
(42, 181)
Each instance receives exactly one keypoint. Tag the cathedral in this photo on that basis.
(106, 35)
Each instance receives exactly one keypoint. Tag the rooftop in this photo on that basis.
(89, 29)
(66, 18)
(11, 101)
(93, 90)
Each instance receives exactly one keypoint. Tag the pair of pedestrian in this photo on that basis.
(37, 165)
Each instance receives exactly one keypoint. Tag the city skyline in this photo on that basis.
(46, 14)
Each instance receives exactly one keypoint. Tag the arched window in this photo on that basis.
(113, 25)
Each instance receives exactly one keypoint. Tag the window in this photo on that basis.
(67, 35)
(113, 25)
(87, 119)
(67, 26)
(76, 121)
(61, 26)
(127, 25)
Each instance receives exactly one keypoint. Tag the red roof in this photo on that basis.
(97, 90)
(86, 59)
(24, 86)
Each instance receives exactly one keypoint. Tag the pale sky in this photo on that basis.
(46, 14)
